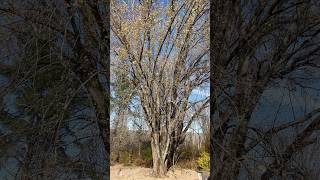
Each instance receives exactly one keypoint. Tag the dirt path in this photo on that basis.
(119, 172)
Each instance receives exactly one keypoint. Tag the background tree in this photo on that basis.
(123, 93)
(54, 95)
(163, 48)
(261, 49)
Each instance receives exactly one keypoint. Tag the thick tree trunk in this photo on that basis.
(171, 157)
(163, 158)
(85, 64)
(159, 163)
(101, 109)
(229, 171)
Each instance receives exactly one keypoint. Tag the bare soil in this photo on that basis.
(120, 172)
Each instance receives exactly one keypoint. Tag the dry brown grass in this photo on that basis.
(120, 172)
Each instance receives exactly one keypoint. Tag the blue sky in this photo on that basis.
(199, 93)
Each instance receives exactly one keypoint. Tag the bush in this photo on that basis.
(188, 152)
(125, 158)
(146, 155)
(146, 152)
(204, 161)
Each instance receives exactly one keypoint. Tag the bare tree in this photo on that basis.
(163, 47)
(60, 71)
(256, 46)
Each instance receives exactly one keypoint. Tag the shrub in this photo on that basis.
(125, 158)
(146, 153)
(204, 161)
(188, 152)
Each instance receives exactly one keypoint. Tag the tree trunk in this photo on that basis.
(101, 107)
(159, 164)
(163, 158)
